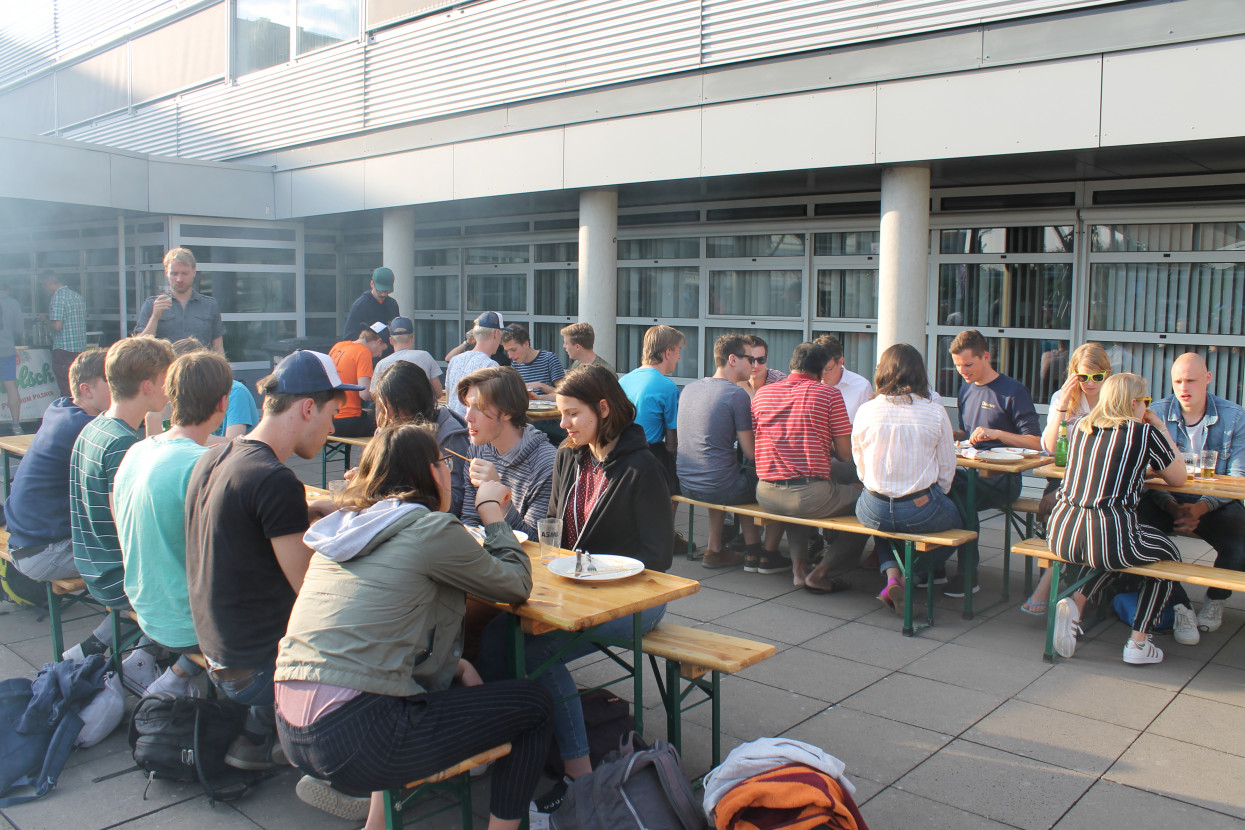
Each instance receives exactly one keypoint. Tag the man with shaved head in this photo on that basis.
(1198, 421)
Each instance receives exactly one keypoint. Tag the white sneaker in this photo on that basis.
(170, 681)
(74, 652)
(1185, 628)
(138, 671)
(1140, 654)
(1067, 627)
(322, 796)
(1211, 615)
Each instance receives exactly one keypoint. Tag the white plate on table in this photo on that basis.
(611, 567)
(480, 533)
(541, 405)
(998, 455)
(1031, 452)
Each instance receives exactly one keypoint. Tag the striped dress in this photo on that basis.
(1094, 522)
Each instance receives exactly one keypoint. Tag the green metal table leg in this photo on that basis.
(464, 798)
(324, 466)
(908, 630)
(674, 705)
(637, 670)
(5, 454)
(691, 531)
(717, 718)
(393, 816)
(1049, 656)
(970, 550)
(54, 617)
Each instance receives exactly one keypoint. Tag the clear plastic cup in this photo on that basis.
(1210, 460)
(550, 533)
(337, 485)
(1192, 464)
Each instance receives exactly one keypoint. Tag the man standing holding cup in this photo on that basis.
(1207, 425)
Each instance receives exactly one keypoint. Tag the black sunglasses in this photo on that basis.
(760, 359)
(747, 357)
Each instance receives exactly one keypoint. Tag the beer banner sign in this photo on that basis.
(36, 382)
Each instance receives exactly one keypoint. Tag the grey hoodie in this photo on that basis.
(528, 471)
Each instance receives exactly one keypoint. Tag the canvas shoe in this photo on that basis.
(322, 796)
(138, 671)
(1184, 630)
(264, 755)
(1140, 654)
(1211, 615)
(715, 559)
(1067, 627)
(955, 587)
(772, 563)
(170, 681)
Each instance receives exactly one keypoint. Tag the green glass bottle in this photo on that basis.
(1061, 445)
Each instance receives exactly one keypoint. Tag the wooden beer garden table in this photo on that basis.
(10, 446)
(974, 467)
(1219, 487)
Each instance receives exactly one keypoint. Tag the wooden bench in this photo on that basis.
(1205, 575)
(334, 447)
(690, 654)
(455, 780)
(913, 542)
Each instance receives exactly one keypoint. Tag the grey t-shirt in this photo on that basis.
(711, 412)
(419, 357)
(11, 325)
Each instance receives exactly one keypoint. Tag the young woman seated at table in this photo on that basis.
(905, 456)
(610, 492)
(1087, 369)
(403, 394)
(1094, 521)
(365, 679)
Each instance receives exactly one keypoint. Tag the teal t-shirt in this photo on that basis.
(96, 456)
(242, 409)
(656, 399)
(149, 503)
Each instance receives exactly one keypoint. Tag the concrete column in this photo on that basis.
(598, 268)
(398, 255)
(903, 258)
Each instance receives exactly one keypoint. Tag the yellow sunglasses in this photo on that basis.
(1096, 377)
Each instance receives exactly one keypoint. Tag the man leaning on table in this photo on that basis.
(1197, 421)
(995, 411)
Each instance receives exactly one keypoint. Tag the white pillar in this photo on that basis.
(598, 268)
(903, 258)
(398, 255)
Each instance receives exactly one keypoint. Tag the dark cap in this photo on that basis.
(306, 372)
(382, 278)
(401, 325)
(490, 320)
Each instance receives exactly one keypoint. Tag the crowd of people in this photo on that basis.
(362, 633)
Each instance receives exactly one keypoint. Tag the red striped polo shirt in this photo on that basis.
(793, 422)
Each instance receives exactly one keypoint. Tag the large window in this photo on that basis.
(270, 32)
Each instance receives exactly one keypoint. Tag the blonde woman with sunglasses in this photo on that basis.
(1095, 523)
(1088, 368)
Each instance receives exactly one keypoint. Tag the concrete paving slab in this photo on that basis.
(14, 665)
(816, 675)
(1105, 656)
(1001, 636)
(874, 747)
(1108, 804)
(998, 785)
(1232, 653)
(925, 703)
(997, 674)
(709, 604)
(865, 788)
(772, 622)
(198, 814)
(761, 586)
(1064, 688)
(1194, 774)
(1204, 722)
(1058, 738)
(273, 805)
(896, 808)
(1225, 684)
(847, 605)
(872, 645)
(753, 710)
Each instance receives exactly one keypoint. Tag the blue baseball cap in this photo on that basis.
(402, 325)
(490, 320)
(305, 372)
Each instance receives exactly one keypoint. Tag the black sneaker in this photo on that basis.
(955, 587)
(681, 544)
(552, 800)
(940, 578)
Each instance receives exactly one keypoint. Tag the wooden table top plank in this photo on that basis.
(1022, 465)
(1220, 487)
(16, 444)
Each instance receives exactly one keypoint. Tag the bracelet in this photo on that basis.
(480, 504)
(1061, 410)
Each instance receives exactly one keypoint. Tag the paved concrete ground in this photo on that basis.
(963, 726)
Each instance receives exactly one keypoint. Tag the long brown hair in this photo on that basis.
(901, 372)
(403, 394)
(593, 384)
(397, 464)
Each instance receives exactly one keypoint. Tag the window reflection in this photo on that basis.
(847, 293)
(1032, 240)
(659, 292)
(1017, 295)
(756, 293)
(1188, 298)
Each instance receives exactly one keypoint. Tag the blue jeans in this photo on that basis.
(936, 512)
(568, 714)
(253, 690)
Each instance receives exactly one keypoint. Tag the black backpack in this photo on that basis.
(607, 717)
(18, 588)
(185, 739)
(645, 789)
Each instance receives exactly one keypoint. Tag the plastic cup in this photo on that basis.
(550, 533)
(1192, 464)
(336, 486)
(1210, 460)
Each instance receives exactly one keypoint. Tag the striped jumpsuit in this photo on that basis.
(1094, 521)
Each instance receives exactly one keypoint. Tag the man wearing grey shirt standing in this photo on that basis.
(715, 413)
(11, 330)
(402, 337)
(181, 311)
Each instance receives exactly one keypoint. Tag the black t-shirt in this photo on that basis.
(240, 497)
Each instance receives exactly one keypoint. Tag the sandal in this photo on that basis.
(836, 585)
(892, 596)
(1036, 609)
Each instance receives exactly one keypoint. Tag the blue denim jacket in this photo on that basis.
(1225, 432)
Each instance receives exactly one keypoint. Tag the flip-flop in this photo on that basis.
(1036, 609)
(836, 585)
(892, 596)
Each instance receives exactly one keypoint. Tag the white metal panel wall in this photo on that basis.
(736, 30)
(493, 53)
(152, 129)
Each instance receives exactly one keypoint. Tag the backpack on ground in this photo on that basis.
(21, 589)
(645, 789)
(185, 739)
(607, 719)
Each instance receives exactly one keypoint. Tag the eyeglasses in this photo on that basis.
(760, 359)
(1096, 377)
(747, 357)
(448, 461)
(1146, 400)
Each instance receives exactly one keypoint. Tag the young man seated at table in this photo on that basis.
(577, 341)
(402, 336)
(854, 388)
(995, 411)
(135, 369)
(1197, 421)
(485, 343)
(246, 513)
(714, 415)
(541, 370)
(149, 505)
(505, 447)
(353, 361)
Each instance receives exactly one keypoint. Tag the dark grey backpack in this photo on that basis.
(644, 789)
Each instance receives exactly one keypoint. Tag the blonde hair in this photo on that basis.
(182, 255)
(1093, 358)
(1115, 402)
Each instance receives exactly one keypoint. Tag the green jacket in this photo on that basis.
(389, 619)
